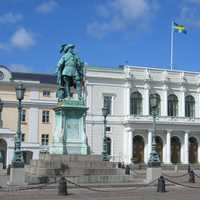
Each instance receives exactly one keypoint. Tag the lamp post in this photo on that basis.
(17, 161)
(105, 153)
(154, 160)
(1, 126)
(1, 108)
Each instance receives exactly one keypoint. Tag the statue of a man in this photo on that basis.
(69, 72)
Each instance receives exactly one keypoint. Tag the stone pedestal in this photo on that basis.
(153, 173)
(69, 136)
(17, 176)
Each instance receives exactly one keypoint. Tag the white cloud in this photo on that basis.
(192, 1)
(116, 15)
(47, 6)
(190, 13)
(19, 68)
(10, 18)
(22, 38)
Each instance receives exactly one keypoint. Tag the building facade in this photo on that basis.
(126, 91)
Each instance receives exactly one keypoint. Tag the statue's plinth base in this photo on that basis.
(17, 176)
(69, 135)
(153, 173)
(81, 149)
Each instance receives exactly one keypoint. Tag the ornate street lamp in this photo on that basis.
(18, 161)
(1, 125)
(105, 152)
(154, 160)
(1, 108)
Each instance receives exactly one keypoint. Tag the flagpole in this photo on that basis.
(172, 44)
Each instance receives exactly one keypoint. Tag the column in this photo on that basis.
(128, 145)
(181, 108)
(127, 99)
(33, 125)
(164, 102)
(186, 148)
(168, 147)
(197, 109)
(146, 100)
(149, 145)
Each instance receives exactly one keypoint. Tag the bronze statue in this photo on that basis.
(70, 73)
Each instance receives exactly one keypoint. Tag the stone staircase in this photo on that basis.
(80, 168)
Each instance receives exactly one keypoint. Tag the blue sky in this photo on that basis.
(107, 33)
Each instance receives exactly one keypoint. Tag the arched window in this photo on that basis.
(158, 107)
(136, 104)
(189, 106)
(172, 105)
(108, 141)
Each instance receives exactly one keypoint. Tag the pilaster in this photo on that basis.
(164, 101)
(181, 108)
(127, 93)
(186, 148)
(168, 147)
(149, 143)
(146, 99)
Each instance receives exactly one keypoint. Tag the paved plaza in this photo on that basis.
(133, 191)
(174, 193)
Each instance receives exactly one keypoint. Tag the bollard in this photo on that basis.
(189, 169)
(62, 186)
(191, 177)
(119, 165)
(161, 184)
(127, 170)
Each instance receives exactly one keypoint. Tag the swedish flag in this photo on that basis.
(179, 28)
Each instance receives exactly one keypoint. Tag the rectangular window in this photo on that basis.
(46, 93)
(44, 139)
(107, 102)
(45, 116)
(23, 115)
(23, 137)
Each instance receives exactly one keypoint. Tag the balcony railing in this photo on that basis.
(162, 119)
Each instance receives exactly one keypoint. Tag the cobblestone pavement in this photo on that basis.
(173, 193)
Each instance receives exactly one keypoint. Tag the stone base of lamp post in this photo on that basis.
(1, 166)
(17, 176)
(152, 173)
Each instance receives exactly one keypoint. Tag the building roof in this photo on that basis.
(42, 78)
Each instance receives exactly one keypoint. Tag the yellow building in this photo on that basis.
(37, 113)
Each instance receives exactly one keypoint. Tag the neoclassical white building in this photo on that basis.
(126, 91)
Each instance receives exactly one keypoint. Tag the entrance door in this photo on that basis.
(138, 149)
(193, 150)
(3, 149)
(175, 149)
(159, 147)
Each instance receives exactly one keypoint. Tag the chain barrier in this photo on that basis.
(180, 184)
(179, 176)
(97, 190)
(43, 186)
